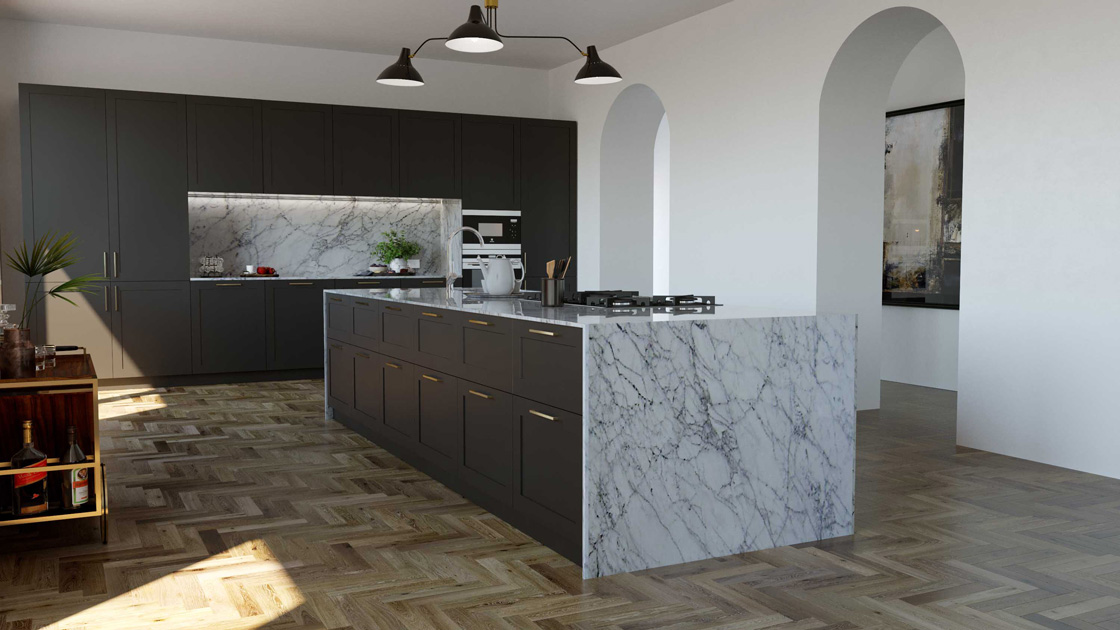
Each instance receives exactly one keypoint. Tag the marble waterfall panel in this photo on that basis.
(317, 237)
(710, 438)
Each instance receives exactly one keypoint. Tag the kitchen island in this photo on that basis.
(625, 441)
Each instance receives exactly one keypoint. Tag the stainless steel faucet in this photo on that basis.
(451, 275)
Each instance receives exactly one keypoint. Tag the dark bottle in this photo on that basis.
(30, 487)
(75, 483)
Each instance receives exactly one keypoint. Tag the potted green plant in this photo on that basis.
(395, 250)
(50, 253)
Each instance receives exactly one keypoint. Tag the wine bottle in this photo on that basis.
(75, 483)
(30, 487)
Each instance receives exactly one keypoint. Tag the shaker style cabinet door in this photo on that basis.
(228, 331)
(148, 186)
(429, 155)
(298, 148)
(365, 152)
(548, 196)
(340, 359)
(487, 462)
(65, 172)
(151, 328)
(491, 163)
(224, 151)
(400, 411)
(294, 318)
(439, 421)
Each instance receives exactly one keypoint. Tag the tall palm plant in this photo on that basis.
(51, 252)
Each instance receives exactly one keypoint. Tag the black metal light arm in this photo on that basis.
(430, 39)
(504, 36)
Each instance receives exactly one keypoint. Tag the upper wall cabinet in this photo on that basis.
(429, 155)
(548, 194)
(65, 170)
(148, 186)
(365, 152)
(298, 155)
(491, 163)
(224, 145)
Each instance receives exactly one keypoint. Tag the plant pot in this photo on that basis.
(17, 354)
(397, 264)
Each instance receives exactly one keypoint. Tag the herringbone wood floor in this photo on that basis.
(239, 507)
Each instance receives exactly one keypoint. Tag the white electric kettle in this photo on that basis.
(498, 277)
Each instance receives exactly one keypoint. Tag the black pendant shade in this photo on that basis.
(475, 36)
(401, 73)
(595, 71)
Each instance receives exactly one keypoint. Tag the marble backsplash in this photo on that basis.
(316, 237)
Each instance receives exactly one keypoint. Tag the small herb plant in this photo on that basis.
(395, 246)
(50, 253)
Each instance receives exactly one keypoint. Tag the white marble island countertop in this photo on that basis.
(567, 315)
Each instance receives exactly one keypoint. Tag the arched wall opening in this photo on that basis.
(850, 183)
(633, 196)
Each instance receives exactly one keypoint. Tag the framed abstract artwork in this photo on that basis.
(922, 206)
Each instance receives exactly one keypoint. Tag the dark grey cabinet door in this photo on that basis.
(548, 473)
(227, 326)
(224, 151)
(548, 364)
(548, 195)
(487, 451)
(491, 163)
(298, 152)
(398, 331)
(440, 426)
(439, 336)
(365, 152)
(400, 411)
(487, 343)
(65, 171)
(340, 383)
(294, 319)
(368, 398)
(148, 186)
(151, 328)
(340, 317)
(429, 155)
(86, 323)
(367, 324)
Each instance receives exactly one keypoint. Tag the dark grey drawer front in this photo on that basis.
(487, 440)
(422, 283)
(437, 340)
(548, 365)
(548, 459)
(398, 331)
(368, 283)
(486, 351)
(366, 324)
(340, 317)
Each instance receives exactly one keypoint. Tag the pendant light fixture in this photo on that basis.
(479, 34)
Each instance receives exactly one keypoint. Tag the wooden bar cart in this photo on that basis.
(54, 399)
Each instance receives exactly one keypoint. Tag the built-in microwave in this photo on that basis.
(497, 227)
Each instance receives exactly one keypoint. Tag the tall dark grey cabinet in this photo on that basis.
(548, 196)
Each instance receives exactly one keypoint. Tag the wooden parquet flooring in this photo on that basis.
(238, 507)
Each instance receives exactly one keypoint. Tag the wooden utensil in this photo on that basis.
(567, 263)
(550, 268)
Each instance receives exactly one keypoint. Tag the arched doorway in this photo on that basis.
(634, 193)
(850, 184)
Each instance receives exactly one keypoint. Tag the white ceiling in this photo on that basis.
(376, 26)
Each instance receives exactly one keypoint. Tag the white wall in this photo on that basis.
(742, 85)
(91, 57)
(661, 210)
(919, 345)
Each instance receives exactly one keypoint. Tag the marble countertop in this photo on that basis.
(377, 277)
(567, 315)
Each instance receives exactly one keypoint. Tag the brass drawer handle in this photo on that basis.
(432, 281)
(392, 308)
(393, 365)
(334, 299)
(431, 315)
(362, 354)
(546, 333)
(368, 282)
(543, 415)
(480, 322)
(336, 346)
(227, 284)
(361, 303)
(300, 284)
(480, 394)
(432, 378)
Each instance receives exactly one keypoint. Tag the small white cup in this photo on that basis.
(250, 269)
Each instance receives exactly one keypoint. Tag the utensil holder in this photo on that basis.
(552, 292)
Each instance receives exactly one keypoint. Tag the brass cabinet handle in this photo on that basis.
(480, 322)
(116, 264)
(117, 298)
(362, 354)
(393, 365)
(480, 394)
(105, 265)
(106, 298)
(227, 284)
(546, 333)
(300, 284)
(432, 378)
(431, 315)
(359, 302)
(366, 282)
(543, 415)
(432, 281)
(334, 299)
(336, 346)
(392, 308)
